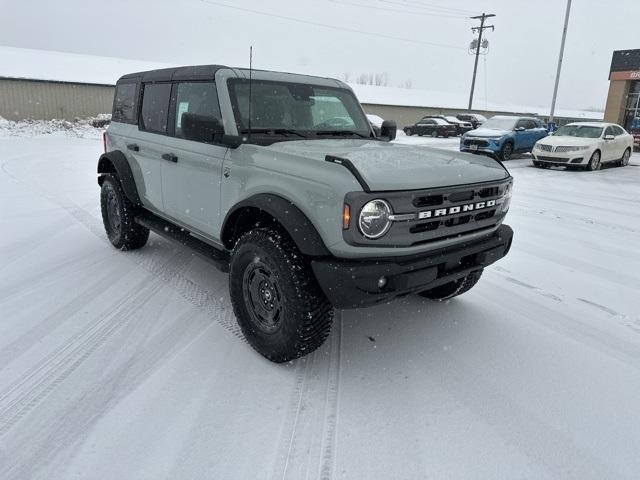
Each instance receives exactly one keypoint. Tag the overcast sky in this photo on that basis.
(422, 40)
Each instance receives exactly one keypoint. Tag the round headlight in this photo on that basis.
(373, 220)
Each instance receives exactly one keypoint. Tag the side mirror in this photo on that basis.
(609, 137)
(201, 128)
(388, 129)
(518, 129)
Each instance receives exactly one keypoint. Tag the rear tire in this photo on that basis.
(625, 158)
(277, 301)
(118, 214)
(453, 289)
(434, 134)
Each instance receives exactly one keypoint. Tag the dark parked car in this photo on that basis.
(436, 127)
(462, 127)
(475, 119)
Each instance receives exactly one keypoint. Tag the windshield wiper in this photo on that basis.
(276, 131)
(341, 133)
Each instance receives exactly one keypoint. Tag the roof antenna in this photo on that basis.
(250, 81)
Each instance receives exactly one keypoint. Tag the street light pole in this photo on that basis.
(564, 37)
(479, 29)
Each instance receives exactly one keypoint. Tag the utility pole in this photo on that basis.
(479, 29)
(564, 37)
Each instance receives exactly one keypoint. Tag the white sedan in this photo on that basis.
(584, 144)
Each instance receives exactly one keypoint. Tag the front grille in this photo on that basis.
(476, 141)
(545, 148)
(553, 159)
(435, 214)
(565, 149)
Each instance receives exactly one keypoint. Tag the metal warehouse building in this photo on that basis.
(39, 84)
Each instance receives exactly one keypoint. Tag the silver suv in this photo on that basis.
(279, 180)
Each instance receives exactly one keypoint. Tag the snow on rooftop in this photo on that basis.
(67, 67)
(78, 68)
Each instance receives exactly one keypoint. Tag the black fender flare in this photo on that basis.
(116, 160)
(292, 219)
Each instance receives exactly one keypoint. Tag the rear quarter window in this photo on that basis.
(124, 103)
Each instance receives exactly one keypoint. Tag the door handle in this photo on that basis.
(134, 147)
(170, 157)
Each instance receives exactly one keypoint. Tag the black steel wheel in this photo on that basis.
(277, 301)
(118, 215)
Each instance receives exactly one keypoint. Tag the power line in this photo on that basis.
(406, 12)
(333, 27)
(480, 30)
(421, 4)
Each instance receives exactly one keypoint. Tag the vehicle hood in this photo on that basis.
(392, 166)
(487, 132)
(568, 141)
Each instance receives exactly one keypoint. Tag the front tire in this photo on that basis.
(434, 133)
(506, 151)
(277, 301)
(453, 289)
(408, 132)
(595, 162)
(118, 215)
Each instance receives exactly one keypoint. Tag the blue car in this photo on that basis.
(502, 136)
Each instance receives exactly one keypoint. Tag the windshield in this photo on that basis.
(500, 123)
(283, 107)
(583, 131)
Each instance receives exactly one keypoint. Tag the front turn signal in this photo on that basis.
(346, 216)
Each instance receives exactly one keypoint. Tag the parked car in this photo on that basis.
(461, 126)
(503, 135)
(475, 119)
(584, 144)
(436, 127)
(295, 198)
(376, 123)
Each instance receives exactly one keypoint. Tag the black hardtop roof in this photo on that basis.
(194, 72)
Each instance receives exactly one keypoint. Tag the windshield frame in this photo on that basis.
(342, 132)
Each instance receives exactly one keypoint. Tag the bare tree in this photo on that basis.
(379, 79)
(408, 83)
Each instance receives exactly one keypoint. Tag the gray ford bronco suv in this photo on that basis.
(279, 180)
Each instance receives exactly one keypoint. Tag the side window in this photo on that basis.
(618, 131)
(199, 101)
(609, 131)
(522, 124)
(531, 124)
(155, 107)
(124, 103)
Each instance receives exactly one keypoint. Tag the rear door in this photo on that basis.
(148, 147)
(621, 141)
(191, 182)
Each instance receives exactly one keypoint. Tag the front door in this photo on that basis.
(191, 179)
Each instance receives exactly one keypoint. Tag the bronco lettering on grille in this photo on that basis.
(469, 207)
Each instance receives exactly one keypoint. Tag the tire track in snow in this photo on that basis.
(307, 445)
(221, 310)
(32, 387)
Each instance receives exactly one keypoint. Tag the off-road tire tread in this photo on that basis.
(444, 292)
(305, 301)
(133, 236)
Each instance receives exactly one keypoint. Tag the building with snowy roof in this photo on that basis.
(40, 84)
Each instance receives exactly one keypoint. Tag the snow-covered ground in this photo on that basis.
(130, 365)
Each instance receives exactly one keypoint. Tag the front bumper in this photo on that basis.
(354, 283)
(562, 159)
(480, 145)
